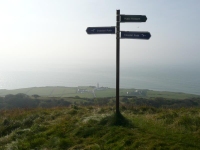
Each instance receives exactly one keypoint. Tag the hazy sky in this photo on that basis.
(35, 34)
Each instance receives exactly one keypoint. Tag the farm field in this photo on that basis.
(92, 92)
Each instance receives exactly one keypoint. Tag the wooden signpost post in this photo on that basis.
(124, 35)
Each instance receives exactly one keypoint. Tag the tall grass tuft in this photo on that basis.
(117, 119)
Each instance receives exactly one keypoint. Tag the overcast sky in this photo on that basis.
(38, 34)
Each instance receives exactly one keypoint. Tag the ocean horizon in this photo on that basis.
(158, 79)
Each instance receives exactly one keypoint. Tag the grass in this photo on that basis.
(42, 91)
(172, 95)
(117, 119)
(16, 91)
(82, 95)
(94, 127)
(105, 93)
(110, 92)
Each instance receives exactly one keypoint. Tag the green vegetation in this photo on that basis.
(93, 127)
(105, 93)
(56, 118)
(91, 92)
(24, 101)
(166, 94)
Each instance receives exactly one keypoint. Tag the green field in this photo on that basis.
(91, 92)
(106, 93)
(166, 94)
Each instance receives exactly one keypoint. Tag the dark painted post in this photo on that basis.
(117, 58)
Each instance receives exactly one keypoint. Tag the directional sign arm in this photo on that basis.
(135, 35)
(100, 30)
(133, 18)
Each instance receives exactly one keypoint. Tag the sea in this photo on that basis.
(174, 79)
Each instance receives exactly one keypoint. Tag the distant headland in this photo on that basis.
(93, 92)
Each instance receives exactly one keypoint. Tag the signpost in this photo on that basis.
(117, 59)
(100, 30)
(124, 35)
(133, 18)
(135, 35)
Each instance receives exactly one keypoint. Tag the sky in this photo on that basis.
(51, 34)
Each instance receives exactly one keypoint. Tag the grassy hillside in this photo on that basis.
(94, 127)
(91, 92)
(24, 101)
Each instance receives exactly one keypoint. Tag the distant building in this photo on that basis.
(81, 90)
(102, 88)
(97, 85)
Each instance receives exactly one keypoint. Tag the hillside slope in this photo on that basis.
(93, 92)
(91, 127)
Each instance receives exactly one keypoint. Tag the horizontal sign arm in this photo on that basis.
(100, 30)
